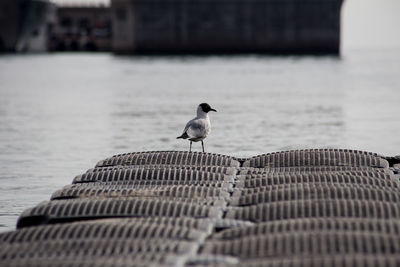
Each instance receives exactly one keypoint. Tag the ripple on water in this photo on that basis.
(57, 125)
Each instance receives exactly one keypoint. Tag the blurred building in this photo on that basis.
(39, 26)
(173, 26)
(82, 28)
(25, 25)
(10, 24)
(220, 26)
(38, 20)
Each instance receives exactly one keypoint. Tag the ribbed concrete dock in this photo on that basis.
(316, 207)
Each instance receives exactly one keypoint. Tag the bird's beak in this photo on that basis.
(213, 110)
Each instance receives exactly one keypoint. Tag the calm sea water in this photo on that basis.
(61, 113)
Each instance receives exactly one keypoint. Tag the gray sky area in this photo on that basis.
(365, 23)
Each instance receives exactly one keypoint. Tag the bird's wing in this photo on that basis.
(196, 128)
(187, 126)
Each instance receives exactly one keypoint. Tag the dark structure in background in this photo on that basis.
(40, 26)
(220, 26)
(25, 25)
(39, 19)
(173, 26)
(82, 28)
(10, 14)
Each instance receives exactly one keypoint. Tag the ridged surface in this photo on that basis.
(237, 192)
(315, 225)
(67, 210)
(214, 169)
(308, 208)
(317, 157)
(157, 183)
(202, 224)
(88, 262)
(126, 190)
(336, 260)
(131, 250)
(110, 231)
(313, 209)
(365, 173)
(156, 174)
(385, 180)
(310, 169)
(306, 243)
(169, 157)
(317, 192)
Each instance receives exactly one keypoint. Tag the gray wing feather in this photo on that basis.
(197, 128)
(189, 124)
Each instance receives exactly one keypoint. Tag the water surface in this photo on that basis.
(61, 113)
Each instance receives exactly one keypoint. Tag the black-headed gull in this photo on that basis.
(198, 128)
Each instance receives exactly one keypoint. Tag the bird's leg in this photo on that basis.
(190, 148)
(202, 145)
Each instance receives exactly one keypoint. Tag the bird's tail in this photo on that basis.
(183, 136)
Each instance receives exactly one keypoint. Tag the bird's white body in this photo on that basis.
(198, 128)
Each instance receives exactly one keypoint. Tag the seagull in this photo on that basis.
(198, 128)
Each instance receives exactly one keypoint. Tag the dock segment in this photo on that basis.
(317, 207)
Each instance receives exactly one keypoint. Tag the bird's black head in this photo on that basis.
(206, 107)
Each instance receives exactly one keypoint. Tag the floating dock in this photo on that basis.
(317, 207)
